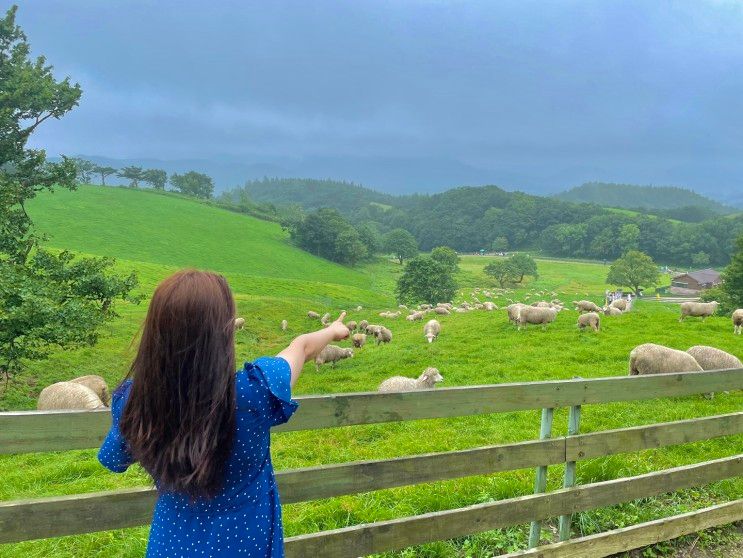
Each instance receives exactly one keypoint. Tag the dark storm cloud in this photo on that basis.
(636, 91)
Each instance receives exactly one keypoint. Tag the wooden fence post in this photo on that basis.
(569, 479)
(540, 484)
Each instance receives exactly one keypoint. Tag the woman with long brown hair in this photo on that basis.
(200, 429)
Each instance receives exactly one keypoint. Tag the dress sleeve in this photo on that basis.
(275, 375)
(114, 453)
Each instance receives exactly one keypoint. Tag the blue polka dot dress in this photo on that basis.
(245, 518)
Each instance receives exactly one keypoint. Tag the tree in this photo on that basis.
(348, 247)
(447, 257)
(327, 234)
(155, 178)
(524, 264)
(46, 300)
(733, 276)
(132, 174)
(104, 171)
(425, 280)
(84, 170)
(500, 244)
(193, 183)
(370, 238)
(700, 259)
(635, 270)
(629, 237)
(401, 243)
(503, 271)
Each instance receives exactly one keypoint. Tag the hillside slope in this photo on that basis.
(640, 197)
(144, 226)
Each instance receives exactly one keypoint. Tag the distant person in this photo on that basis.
(201, 429)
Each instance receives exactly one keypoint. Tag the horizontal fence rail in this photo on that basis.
(23, 432)
(395, 534)
(67, 515)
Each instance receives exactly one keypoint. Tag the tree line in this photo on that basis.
(191, 183)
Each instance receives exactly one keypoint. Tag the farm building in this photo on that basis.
(696, 280)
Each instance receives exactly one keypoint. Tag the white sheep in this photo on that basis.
(358, 340)
(441, 311)
(363, 324)
(415, 316)
(737, 321)
(312, 315)
(383, 335)
(536, 316)
(427, 380)
(650, 358)
(359, 308)
(489, 306)
(586, 306)
(284, 325)
(68, 396)
(589, 319)
(351, 325)
(711, 358)
(431, 330)
(97, 384)
(332, 354)
(325, 319)
(239, 323)
(611, 311)
(698, 309)
(513, 311)
(620, 304)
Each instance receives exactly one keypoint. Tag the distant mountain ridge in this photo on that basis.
(630, 196)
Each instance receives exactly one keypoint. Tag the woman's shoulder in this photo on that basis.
(271, 374)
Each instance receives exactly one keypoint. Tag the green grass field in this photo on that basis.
(272, 280)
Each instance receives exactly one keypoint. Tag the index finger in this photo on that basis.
(340, 318)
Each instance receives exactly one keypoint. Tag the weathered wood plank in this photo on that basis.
(625, 440)
(56, 431)
(326, 481)
(366, 539)
(637, 536)
(540, 477)
(22, 520)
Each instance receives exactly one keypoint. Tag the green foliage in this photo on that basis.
(700, 259)
(733, 277)
(84, 169)
(425, 280)
(629, 237)
(155, 178)
(193, 183)
(500, 244)
(132, 174)
(327, 234)
(103, 171)
(640, 197)
(634, 270)
(512, 270)
(370, 237)
(47, 301)
(401, 243)
(524, 265)
(447, 257)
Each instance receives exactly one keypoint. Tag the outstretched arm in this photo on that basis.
(308, 346)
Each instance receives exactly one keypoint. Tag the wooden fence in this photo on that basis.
(30, 519)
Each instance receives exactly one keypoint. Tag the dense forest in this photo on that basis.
(640, 198)
(473, 218)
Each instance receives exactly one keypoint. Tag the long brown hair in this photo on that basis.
(179, 420)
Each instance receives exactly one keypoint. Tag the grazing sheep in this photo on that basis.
(383, 335)
(68, 396)
(312, 315)
(441, 311)
(284, 325)
(542, 304)
(325, 318)
(489, 306)
(513, 311)
(402, 307)
(611, 311)
(372, 329)
(586, 306)
(332, 354)
(358, 340)
(710, 358)
(590, 319)
(390, 314)
(447, 305)
(431, 330)
(427, 380)
(351, 325)
(698, 309)
(737, 321)
(359, 308)
(415, 316)
(97, 384)
(239, 323)
(620, 304)
(650, 358)
(363, 324)
(536, 316)
(424, 307)
(460, 310)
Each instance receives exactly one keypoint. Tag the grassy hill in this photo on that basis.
(474, 348)
(631, 196)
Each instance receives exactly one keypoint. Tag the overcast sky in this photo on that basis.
(644, 86)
